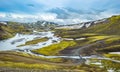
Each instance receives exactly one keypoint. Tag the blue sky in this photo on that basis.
(81, 10)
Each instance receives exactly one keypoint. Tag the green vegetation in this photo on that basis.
(114, 48)
(19, 28)
(77, 68)
(99, 43)
(111, 65)
(113, 56)
(103, 37)
(110, 27)
(25, 65)
(27, 61)
(113, 39)
(34, 41)
(93, 44)
(9, 30)
(106, 64)
(54, 49)
(97, 38)
(26, 58)
(5, 32)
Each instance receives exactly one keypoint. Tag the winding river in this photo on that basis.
(18, 39)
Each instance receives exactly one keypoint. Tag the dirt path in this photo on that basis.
(79, 50)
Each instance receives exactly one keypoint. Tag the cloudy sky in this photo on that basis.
(61, 11)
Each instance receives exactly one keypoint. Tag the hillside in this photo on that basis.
(100, 37)
(5, 31)
(111, 27)
(11, 28)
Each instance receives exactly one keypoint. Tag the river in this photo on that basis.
(18, 39)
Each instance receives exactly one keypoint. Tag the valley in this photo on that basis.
(87, 48)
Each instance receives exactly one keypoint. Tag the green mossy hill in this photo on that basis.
(110, 27)
(5, 31)
(26, 61)
(104, 36)
(54, 49)
(11, 28)
(19, 27)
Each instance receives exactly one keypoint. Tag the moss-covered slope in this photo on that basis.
(5, 31)
(110, 27)
(101, 37)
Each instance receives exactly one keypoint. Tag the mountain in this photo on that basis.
(45, 23)
(9, 29)
(109, 26)
(101, 36)
(104, 26)
(41, 25)
(82, 25)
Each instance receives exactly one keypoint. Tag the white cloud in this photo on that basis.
(73, 17)
(2, 14)
(107, 13)
(47, 16)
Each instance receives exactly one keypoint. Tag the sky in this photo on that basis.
(60, 11)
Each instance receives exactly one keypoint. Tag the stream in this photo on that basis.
(18, 39)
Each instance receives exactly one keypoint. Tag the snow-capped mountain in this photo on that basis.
(41, 25)
(44, 23)
(82, 25)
